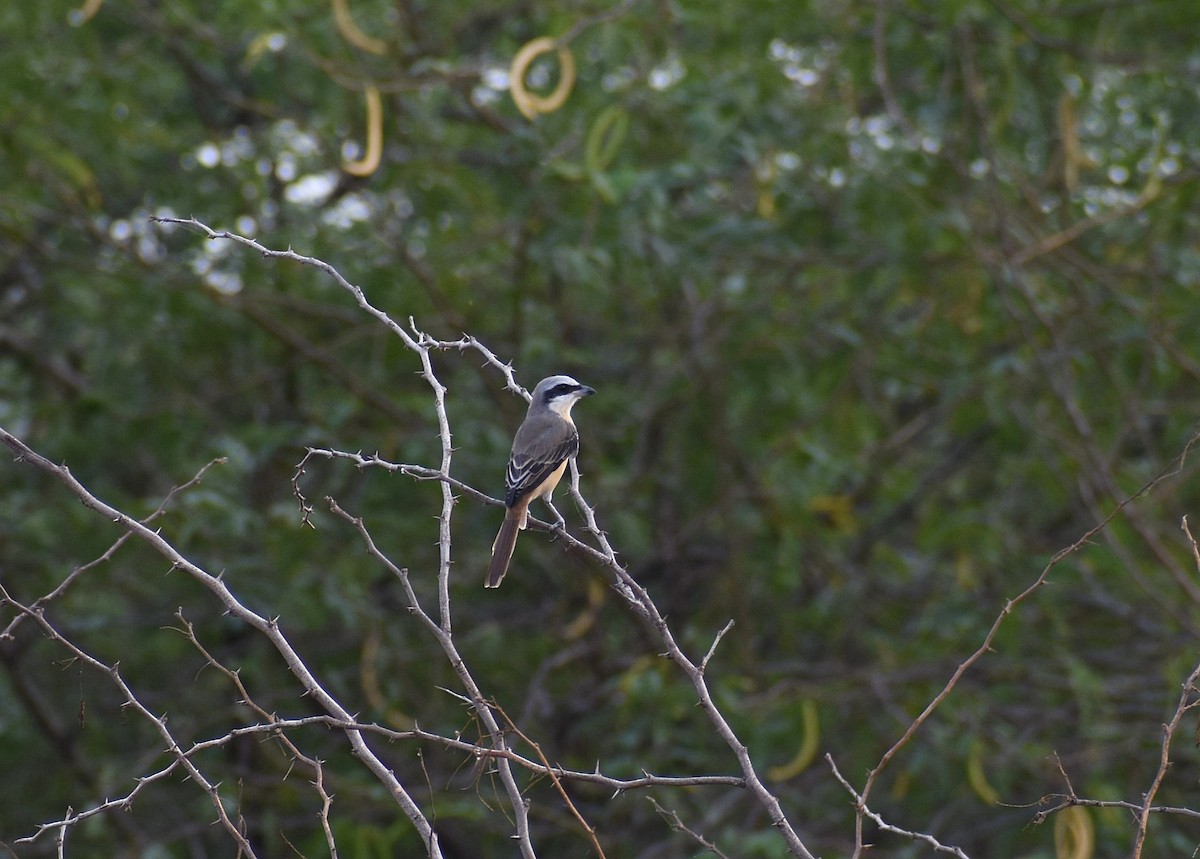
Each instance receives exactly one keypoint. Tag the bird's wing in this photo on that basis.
(543, 443)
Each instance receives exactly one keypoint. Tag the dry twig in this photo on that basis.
(635, 596)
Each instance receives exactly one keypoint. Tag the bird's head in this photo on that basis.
(559, 394)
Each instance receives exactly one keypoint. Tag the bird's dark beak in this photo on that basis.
(585, 391)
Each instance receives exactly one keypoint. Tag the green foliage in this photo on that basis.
(872, 342)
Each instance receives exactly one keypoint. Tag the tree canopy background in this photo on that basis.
(886, 304)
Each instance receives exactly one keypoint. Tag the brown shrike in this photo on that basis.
(544, 443)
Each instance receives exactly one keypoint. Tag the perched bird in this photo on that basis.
(543, 444)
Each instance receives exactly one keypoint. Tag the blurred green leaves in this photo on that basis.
(886, 304)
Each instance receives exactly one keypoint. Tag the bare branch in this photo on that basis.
(267, 627)
(640, 601)
(1187, 700)
(321, 265)
(61, 840)
(678, 825)
(133, 702)
(441, 632)
(635, 596)
(269, 721)
(1009, 607)
(277, 728)
(421, 472)
(43, 601)
(861, 809)
(713, 647)
(558, 785)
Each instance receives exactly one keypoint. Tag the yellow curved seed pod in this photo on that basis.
(369, 163)
(809, 743)
(351, 33)
(530, 104)
(605, 137)
(596, 592)
(86, 12)
(1074, 834)
(976, 776)
(368, 672)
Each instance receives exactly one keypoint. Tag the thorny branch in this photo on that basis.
(861, 811)
(133, 702)
(41, 602)
(480, 705)
(1070, 798)
(635, 596)
(1188, 700)
(676, 823)
(277, 727)
(267, 627)
(860, 807)
(440, 626)
(269, 721)
(558, 785)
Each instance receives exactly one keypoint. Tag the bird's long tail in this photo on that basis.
(502, 549)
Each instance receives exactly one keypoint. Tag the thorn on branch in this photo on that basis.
(713, 648)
